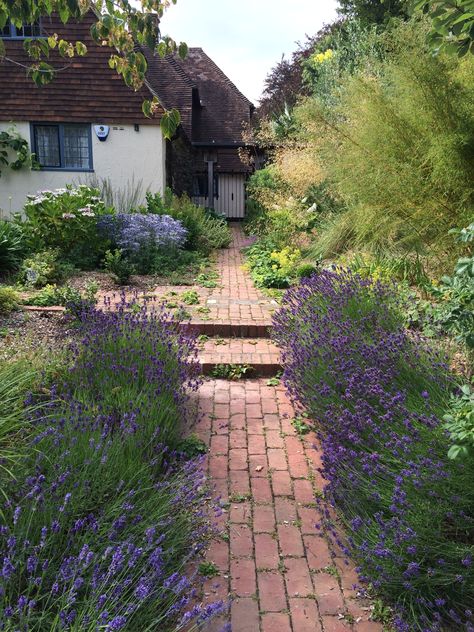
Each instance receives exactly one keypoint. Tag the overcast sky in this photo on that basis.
(247, 37)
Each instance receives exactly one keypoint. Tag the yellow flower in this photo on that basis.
(320, 58)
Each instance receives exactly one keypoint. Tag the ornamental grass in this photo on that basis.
(378, 395)
(104, 522)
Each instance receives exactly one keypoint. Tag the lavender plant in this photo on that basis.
(378, 395)
(100, 532)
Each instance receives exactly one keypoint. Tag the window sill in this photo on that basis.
(65, 170)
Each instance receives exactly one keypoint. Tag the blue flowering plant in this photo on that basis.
(102, 527)
(378, 395)
(141, 238)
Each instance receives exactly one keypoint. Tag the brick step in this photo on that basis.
(261, 355)
(230, 329)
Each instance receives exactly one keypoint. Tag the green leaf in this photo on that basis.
(81, 49)
(183, 50)
(146, 108)
(169, 123)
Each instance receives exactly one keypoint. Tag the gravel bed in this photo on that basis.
(26, 332)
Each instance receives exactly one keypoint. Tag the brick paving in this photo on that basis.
(281, 572)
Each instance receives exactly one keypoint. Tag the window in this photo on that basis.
(62, 146)
(10, 31)
(201, 186)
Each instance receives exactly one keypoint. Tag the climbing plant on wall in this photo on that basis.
(12, 144)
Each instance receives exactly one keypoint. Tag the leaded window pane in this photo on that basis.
(76, 147)
(47, 145)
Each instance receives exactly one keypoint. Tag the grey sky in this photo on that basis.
(247, 37)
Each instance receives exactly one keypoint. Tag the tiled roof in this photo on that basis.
(213, 111)
(86, 90)
(221, 110)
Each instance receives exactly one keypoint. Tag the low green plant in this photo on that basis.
(43, 268)
(306, 270)
(207, 279)
(118, 266)
(455, 296)
(65, 296)
(381, 612)
(192, 446)
(300, 424)
(52, 295)
(12, 246)
(274, 381)
(208, 569)
(459, 423)
(9, 300)
(190, 297)
(272, 268)
(231, 371)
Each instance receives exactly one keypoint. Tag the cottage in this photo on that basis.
(88, 124)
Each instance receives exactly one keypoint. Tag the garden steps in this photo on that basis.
(260, 356)
(280, 571)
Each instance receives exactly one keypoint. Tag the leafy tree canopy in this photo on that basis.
(373, 11)
(453, 24)
(120, 25)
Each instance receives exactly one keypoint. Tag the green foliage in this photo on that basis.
(66, 219)
(399, 152)
(119, 25)
(459, 423)
(207, 279)
(300, 424)
(12, 142)
(118, 266)
(231, 371)
(17, 378)
(208, 569)
(190, 297)
(272, 268)
(455, 294)
(452, 24)
(370, 12)
(43, 268)
(205, 231)
(9, 300)
(64, 295)
(12, 246)
(353, 47)
(192, 446)
(306, 270)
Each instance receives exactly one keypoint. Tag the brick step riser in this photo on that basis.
(226, 330)
(257, 370)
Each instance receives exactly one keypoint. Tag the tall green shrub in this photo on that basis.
(401, 149)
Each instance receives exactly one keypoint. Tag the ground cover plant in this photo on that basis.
(105, 515)
(378, 395)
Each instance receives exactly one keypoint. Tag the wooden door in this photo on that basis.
(231, 200)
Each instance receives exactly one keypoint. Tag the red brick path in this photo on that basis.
(277, 566)
(273, 560)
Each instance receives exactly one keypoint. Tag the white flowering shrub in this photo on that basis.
(66, 219)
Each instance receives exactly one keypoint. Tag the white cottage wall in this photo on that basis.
(126, 154)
